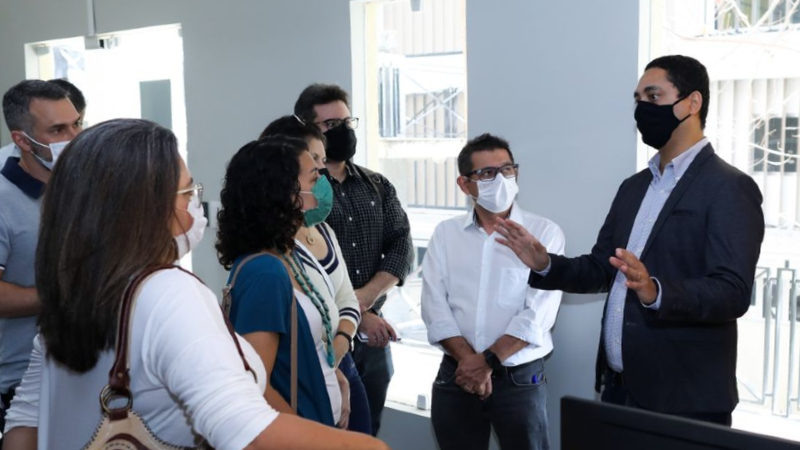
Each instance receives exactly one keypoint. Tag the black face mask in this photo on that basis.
(656, 122)
(341, 143)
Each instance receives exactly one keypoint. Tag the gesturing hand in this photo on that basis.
(527, 248)
(638, 278)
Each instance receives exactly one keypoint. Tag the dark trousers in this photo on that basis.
(375, 367)
(359, 405)
(517, 410)
(615, 392)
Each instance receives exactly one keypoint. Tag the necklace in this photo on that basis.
(311, 292)
(309, 238)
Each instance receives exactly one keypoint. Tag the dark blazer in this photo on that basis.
(703, 250)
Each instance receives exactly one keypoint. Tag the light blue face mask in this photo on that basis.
(55, 150)
(323, 192)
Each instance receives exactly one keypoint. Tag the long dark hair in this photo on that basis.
(261, 205)
(106, 214)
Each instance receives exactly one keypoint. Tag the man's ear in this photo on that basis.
(21, 141)
(696, 102)
(462, 183)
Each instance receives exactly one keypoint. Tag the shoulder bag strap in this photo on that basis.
(227, 299)
(293, 355)
(119, 375)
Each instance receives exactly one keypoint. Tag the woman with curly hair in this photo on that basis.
(267, 186)
(322, 258)
(117, 201)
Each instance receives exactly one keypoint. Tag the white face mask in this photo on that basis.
(55, 150)
(188, 241)
(497, 195)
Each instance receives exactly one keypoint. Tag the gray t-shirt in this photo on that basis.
(19, 233)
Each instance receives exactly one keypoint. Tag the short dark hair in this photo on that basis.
(261, 205)
(292, 126)
(318, 94)
(106, 214)
(688, 75)
(75, 95)
(17, 102)
(483, 143)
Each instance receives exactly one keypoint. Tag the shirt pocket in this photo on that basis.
(513, 288)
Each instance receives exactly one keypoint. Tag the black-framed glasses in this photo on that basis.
(351, 122)
(490, 173)
(197, 193)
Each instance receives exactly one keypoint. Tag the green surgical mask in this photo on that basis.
(323, 192)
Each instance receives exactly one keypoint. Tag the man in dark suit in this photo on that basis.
(677, 255)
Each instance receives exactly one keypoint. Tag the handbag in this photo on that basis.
(227, 301)
(121, 428)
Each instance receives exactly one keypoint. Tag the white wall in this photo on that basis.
(245, 62)
(554, 78)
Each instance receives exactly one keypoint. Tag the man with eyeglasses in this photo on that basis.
(42, 120)
(372, 230)
(478, 307)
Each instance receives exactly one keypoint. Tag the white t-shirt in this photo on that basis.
(315, 323)
(187, 377)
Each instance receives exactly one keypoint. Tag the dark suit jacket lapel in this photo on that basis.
(638, 190)
(680, 189)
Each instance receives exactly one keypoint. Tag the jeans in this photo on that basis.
(374, 364)
(616, 393)
(359, 406)
(517, 409)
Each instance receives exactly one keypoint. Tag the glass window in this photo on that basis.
(415, 92)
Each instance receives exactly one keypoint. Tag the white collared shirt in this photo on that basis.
(477, 288)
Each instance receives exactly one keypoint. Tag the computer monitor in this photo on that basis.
(587, 424)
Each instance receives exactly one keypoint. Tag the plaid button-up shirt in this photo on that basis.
(374, 235)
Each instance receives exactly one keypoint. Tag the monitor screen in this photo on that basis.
(587, 424)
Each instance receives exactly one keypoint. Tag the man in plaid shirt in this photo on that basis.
(372, 230)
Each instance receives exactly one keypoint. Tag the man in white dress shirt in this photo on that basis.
(478, 307)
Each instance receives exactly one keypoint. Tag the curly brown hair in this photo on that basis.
(261, 205)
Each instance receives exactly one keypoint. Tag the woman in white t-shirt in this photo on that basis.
(118, 200)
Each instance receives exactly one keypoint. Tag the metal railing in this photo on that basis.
(774, 304)
(434, 185)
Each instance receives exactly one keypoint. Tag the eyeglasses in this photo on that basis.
(490, 173)
(197, 194)
(351, 122)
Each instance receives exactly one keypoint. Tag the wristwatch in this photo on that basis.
(491, 359)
